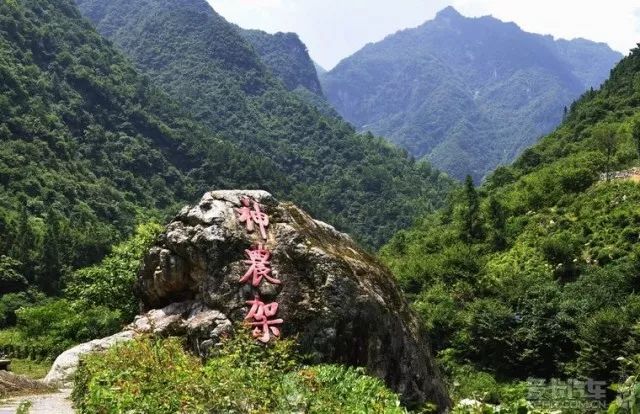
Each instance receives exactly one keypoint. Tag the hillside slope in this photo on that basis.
(88, 145)
(357, 182)
(287, 57)
(468, 94)
(536, 274)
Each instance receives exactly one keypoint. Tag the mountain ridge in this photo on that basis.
(468, 94)
(355, 181)
(287, 57)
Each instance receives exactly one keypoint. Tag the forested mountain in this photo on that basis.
(88, 145)
(536, 273)
(468, 94)
(357, 182)
(91, 150)
(287, 57)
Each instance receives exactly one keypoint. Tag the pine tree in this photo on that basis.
(497, 223)
(470, 219)
(6, 236)
(51, 265)
(23, 243)
(635, 133)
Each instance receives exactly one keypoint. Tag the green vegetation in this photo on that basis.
(469, 94)
(358, 183)
(90, 149)
(46, 330)
(158, 376)
(88, 146)
(24, 407)
(287, 58)
(110, 283)
(30, 368)
(97, 302)
(535, 274)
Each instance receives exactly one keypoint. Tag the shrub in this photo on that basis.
(158, 376)
(46, 330)
(110, 283)
(10, 278)
(11, 302)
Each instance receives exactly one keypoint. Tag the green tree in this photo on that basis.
(635, 134)
(51, 263)
(470, 222)
(599, 339)
(6, 238)
(607, 138)
(10, 278)
(497, 223)
(110, 282)
(24, 243)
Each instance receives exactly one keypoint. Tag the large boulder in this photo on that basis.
(339, 301)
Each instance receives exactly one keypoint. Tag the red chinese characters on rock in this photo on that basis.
(259, 315)
(251, 217)
(260, 267)
(259, 261)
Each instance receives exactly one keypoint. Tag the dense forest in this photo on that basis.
(535, 273)
(468, 94)
(357, 182)
(287, 57)
(90, 148)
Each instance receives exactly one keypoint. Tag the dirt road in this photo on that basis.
(54, 403)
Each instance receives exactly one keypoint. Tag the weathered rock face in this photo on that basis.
(339, 301)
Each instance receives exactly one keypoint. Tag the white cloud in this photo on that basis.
(334, 29)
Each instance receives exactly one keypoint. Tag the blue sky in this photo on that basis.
(334, 29)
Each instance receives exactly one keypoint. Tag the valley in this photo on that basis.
(196, 217)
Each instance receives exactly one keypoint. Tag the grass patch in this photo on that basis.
(158, 376)
(30, 368)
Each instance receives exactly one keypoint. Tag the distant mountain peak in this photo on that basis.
(467, 93)
(448, 13)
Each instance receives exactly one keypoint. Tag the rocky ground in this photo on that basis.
(632, 174)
